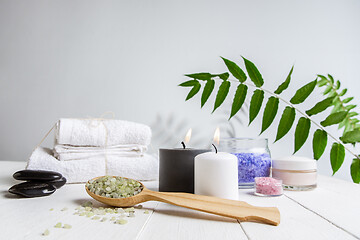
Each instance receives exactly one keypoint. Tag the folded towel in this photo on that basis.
(66, 152)
(79, 171)
(101, 132)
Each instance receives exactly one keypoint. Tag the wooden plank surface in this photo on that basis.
(27, 218)
(296, 221)
(172, 222)
(328, 212)
(335, 200)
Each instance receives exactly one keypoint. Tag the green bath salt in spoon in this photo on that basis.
(125, 192)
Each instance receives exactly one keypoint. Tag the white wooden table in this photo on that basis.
(332, 211)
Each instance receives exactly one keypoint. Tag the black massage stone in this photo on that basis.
(33, 189)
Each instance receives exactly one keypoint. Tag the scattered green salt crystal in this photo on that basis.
(102, 212)
(76, 213)
(146, 212)
(121, 221)
(113, 219)
(110, 210)
(64, 209)
(58, 225)
(88, 208)
(46, 232)
(89, 214)
(51, 209)
(67, 226)
(120, 210)
(131, 209)
(82, 214)
(131, 214)
(103, 219)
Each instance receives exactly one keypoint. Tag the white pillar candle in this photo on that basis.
(216, 174)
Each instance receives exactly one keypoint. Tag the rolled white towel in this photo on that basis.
(79, 171)
(104, 132)
(66, 152)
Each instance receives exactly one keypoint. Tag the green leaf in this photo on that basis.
(193, 91)
(331, 78)
(190, 83)
(200, 76)
(337, 107)
(337, 155)
(301, 132)
(239, 99)
(348, 127)
(349, 107)
(255, 104)
(322, 82)
(209, 87)
(286, 121)
(285, 84)
(322, 77)
(334, 118)
(327, 90)
(303, 93)
(235, 70)
(355, 170)
(351, 136)
(352, 114)
(338, 84)
(319, 143)
(224, 76)
(254, 73)
(349, 99)
(222, 93)
(343, 92)
(269, 113)
(320, 106)
(342, 124)
(332, 93)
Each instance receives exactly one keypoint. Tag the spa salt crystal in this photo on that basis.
(267, 186)
(253, 158)
(114, 187)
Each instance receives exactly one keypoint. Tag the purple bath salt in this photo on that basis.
(252, 165)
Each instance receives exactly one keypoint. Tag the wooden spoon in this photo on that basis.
(228, 208)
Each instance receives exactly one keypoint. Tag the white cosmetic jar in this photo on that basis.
(296, 173)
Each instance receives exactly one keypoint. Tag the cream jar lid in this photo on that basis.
(294, 163)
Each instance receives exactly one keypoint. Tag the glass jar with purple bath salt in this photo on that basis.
(253, 158)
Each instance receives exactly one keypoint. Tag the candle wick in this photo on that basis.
(183, 145)
(214, 147)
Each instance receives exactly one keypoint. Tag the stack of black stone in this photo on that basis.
(38, 183)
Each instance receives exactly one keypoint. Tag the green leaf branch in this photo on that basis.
(342, 113)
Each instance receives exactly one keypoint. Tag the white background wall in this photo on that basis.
(77, 58)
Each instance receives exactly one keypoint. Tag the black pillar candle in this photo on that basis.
(176, 172)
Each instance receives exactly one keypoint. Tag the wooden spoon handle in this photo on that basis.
(223, 207)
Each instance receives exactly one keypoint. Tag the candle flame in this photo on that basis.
(217, 136)
(188, 136)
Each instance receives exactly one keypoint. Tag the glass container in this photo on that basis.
(253, 158)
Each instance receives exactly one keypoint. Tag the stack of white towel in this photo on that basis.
(87, 148)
